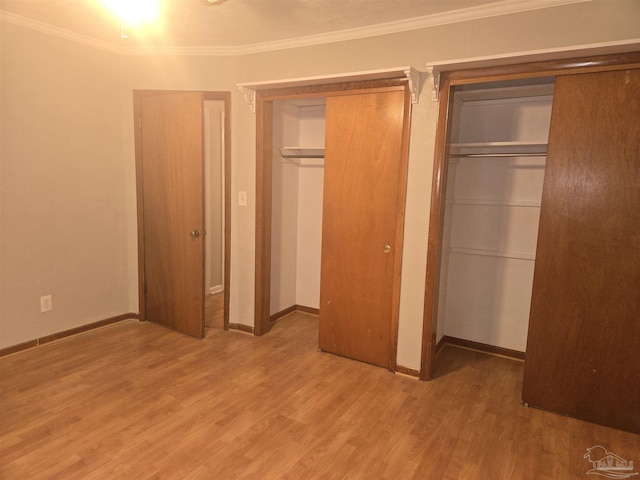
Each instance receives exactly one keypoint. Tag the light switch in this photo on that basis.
(242, 199)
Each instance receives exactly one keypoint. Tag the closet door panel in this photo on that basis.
(364, 161)
(584, 330)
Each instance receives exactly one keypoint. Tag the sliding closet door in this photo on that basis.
(583, 356)
(364, 184)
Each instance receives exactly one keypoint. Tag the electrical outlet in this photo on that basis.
(46, 304)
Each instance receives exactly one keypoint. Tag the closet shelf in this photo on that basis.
(498, 149)
(305, 161)
(492, 253)
(302, 152)
(492, 203)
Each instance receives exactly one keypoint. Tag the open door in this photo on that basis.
(171, 148)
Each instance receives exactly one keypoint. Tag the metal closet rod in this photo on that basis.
(474, 155)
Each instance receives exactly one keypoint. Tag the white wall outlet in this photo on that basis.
(46, 304)
(242, 199)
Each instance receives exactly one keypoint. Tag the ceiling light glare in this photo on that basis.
(134, 12)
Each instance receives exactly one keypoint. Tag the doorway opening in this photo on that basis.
(347, 255)
(214, 174)
(183, 180)
(493, 177)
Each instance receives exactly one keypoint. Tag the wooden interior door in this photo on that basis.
(173, 210)
(583, 356)
(363, 207)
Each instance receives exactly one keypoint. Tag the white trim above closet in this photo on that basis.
(434, 69)
(413, 76)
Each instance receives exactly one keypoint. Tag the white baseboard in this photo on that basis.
(215, 289)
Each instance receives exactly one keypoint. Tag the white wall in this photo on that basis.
(310, 189)
(296, 209)
(214, 193)
(64, 183)
(50, 75)
(284, 221)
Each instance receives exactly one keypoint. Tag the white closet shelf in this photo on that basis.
(492, 203)
(498, 149)
(302, 152)
(305, 162)
(492, 253)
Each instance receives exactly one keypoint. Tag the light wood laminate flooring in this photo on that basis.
(213, 313)
(137, 401)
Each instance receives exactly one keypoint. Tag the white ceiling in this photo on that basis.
(241, 26)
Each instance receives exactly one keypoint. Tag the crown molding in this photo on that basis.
(47, 29)
(503, 7)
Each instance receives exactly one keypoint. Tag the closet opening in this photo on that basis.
(214, 212)
(324, 243)
(495, 165)
(296, 205)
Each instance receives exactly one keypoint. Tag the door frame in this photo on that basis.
(264, 153)
(138, 95)
(448, 80)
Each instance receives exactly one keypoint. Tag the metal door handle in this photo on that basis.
(195, 233)
(386, 248)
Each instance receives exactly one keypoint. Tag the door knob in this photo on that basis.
(195, 233)
(386, 248)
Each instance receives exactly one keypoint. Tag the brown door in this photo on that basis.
(173, 205)
(365, 174)
(583, 350)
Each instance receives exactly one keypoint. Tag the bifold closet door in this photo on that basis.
(583, 356)
(365, 173)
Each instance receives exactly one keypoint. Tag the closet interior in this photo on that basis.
(496, 164)
(297, 195)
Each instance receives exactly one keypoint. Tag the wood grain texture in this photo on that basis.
(483, 347)
(66, 333)
(436, 222)
(173, 202)
(264, 149)
(475, 76)
(138, 95)
(584, 331)
(135, 400)
(574, 65)
(264, 139)
(363, 167)
(214, 313)
(330, 89)
(293, 308)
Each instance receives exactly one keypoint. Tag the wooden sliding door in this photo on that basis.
(583, 350)
(363, 212)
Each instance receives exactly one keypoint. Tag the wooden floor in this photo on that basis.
(213, 313)
(137, 401)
